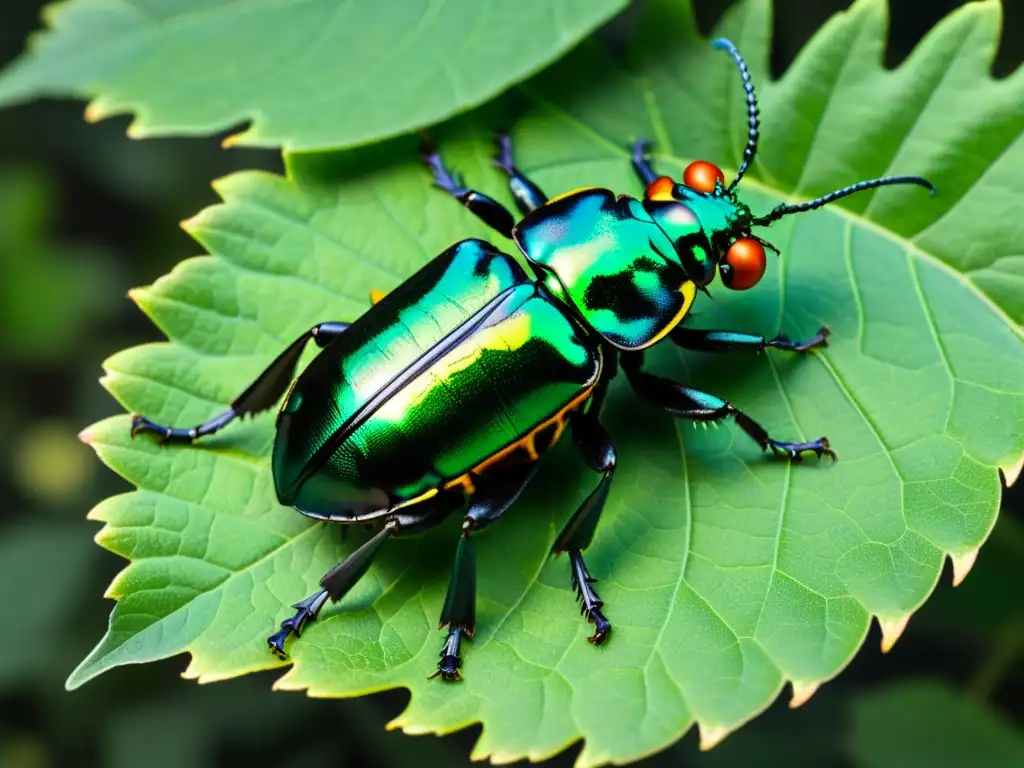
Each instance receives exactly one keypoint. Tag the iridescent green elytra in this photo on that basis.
(444, 395)
(470, 333)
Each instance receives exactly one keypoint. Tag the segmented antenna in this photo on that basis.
(752, 112)
(782, 210)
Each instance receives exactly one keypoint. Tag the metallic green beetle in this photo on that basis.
(447, 391)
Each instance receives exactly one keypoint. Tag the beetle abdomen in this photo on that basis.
(464, 358)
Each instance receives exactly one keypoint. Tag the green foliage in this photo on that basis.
(307, 75)
(51, 552)
(725, 573)
(31, 266)
(926, 723)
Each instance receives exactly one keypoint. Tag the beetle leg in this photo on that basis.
(642, 161)
(335, 584)
(487, 209)
(496, 491)
(306, 611)
(689, 403)
(459, 611)
(728, 341)
(596, 448)
(527, 194)
(260, 395)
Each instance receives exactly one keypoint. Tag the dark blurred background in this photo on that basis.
(86, 214)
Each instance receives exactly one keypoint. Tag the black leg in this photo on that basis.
(487, 209)
(528, 196)
(459, 611)
(334, 585)
(261, 394)
(599, 454)
(729, 341)
(642, 161)
(495, 492)
(689, 403)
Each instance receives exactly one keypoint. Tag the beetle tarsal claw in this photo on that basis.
(794, 451)
(276, 643)
(451, 660)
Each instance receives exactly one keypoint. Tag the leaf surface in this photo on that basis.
(306, 74)
(726, 574)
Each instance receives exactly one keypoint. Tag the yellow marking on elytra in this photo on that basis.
(689, 291)
(556, 198)
(417, 499)
(286, 398)
(528, 441)
(376, 295)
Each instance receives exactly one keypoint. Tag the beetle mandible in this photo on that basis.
(373, 430)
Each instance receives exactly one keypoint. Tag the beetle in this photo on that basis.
(447, 391)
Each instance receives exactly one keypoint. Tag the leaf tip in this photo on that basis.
(88, 435)
(712, 735)
(83, 673)
(406, 724)
(138, 297)
(285, 681)
(962, 564)
(74, 682)
(892, 629)
(802, 692)
(93, 114)
(1011, 471)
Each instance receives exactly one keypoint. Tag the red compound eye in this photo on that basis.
(744, 264)
(701, 176)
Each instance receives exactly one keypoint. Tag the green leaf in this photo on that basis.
(311, 74)
(725, 573)
(925, 723)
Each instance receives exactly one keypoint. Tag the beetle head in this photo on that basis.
(710, 227)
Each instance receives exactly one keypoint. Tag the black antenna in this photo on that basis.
(783, 210)
(752, 112)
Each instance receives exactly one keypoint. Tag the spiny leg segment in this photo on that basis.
(487, 209)
(527, 194)
(268, 388)
(334, 585)
(338, 581)
(598, 453)
(641, 160)
(730, 341)
(690, 403)
(495, 493)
